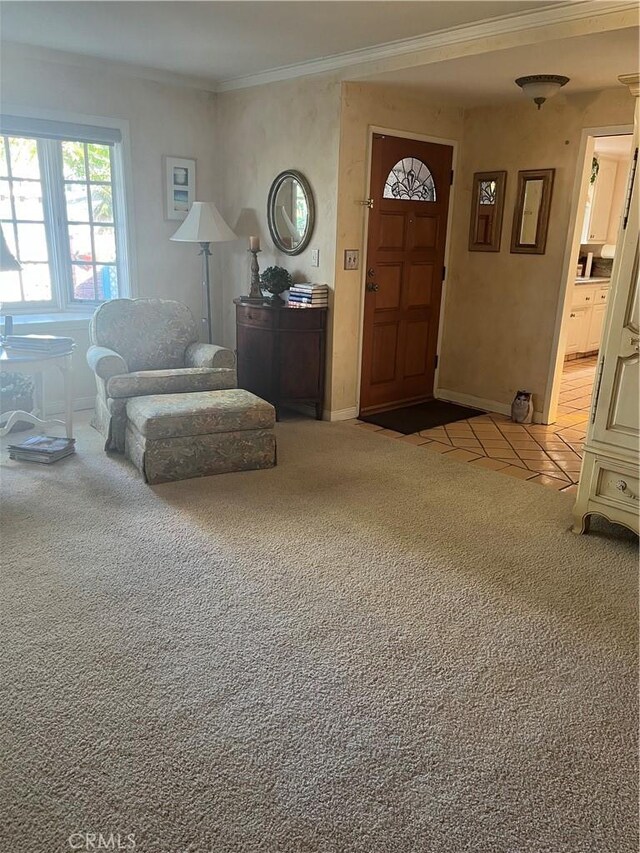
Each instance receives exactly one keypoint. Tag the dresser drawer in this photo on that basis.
(256, 316)
(618, 487)
(602, 296)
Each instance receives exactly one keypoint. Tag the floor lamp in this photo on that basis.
(204, 225)
(7, 264)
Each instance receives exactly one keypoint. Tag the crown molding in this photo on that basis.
(574, 10)
(599, 15)
(632, 81)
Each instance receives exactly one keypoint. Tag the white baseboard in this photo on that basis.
(327, 415)
(84, 403)
(480, 403)
(472, 401)
(340, 414)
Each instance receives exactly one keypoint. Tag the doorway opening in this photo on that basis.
(599, 196)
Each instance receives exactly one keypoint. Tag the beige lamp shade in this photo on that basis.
(7, 262)
(204, 224)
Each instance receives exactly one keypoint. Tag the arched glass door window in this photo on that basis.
(410, 180)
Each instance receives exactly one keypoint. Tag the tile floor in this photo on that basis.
(548, 455)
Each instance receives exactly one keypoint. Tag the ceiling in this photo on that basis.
(616, 146)
(592, 62)
(226, 45)
(220, 41)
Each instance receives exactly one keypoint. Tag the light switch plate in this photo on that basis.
(315, 257)
(351, 259)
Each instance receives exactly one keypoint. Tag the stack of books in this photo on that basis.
(42, 448)
(307, 295)
(39, 344)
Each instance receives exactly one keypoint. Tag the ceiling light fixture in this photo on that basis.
(540, 87)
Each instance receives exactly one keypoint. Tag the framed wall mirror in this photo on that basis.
(487, 206)
(290, 212)
(531, 214)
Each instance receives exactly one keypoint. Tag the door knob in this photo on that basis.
(371, 287)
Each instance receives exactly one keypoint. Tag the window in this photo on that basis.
(410, 180)
(62, 215)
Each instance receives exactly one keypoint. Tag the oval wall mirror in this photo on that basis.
(290, 212)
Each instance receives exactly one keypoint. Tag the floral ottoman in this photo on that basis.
(177, 436)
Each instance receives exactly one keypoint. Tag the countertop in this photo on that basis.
(592, 280)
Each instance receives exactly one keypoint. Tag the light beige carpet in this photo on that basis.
(369, 649)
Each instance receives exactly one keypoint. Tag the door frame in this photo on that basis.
(419, 137)
(572, 250)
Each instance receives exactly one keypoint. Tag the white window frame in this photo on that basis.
(55, 213)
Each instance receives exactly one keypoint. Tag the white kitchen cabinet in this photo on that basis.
(586, 318)
(609, 483)
(577, 330)
(594, 329)
(599, 200)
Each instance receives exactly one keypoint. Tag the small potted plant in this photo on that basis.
(276, 280)
(16, 394)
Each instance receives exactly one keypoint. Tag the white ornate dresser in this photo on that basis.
(609, 481)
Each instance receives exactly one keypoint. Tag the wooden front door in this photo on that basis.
(410, 184)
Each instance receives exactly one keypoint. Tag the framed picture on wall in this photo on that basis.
(487, 206)
(180, 186)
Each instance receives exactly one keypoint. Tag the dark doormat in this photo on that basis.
(422, 416)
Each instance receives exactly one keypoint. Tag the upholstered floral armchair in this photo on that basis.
(149, 346)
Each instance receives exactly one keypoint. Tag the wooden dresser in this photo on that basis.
(281, 353)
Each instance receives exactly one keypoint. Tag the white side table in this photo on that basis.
(37, 364)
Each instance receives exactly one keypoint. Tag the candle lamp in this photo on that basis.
(255, 293)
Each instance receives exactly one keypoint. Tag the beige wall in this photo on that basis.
(500, 308)
(163, 119)
(296, 124)
(365, 105)
(320, 127)
(262, 132)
